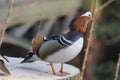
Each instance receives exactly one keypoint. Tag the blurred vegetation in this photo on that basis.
(108, 31)
(106, 71)
(110, 22)
(107, 41)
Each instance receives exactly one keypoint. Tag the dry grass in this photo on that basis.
(4, 26)
(25, 8)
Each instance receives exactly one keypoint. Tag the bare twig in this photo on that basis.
(5, 23)
(88, 45)
(90, 35)
(104, 5)
(117, 68)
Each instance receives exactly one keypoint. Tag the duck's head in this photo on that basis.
(81, 22)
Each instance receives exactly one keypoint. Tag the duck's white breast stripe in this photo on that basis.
(64, 41)
(68, 41)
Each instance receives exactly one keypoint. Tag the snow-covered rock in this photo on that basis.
(38, 70)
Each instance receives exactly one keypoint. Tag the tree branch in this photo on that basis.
(117, 68)
(88, 45)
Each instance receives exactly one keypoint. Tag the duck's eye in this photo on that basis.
(89, 15)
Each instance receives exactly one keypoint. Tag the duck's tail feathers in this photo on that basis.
(30, 57)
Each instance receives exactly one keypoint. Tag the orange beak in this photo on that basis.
(92, 19)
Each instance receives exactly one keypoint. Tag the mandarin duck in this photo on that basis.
(60, 48)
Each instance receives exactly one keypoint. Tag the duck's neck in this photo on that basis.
(80, 25)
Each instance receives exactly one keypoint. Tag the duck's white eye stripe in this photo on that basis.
(87, 14)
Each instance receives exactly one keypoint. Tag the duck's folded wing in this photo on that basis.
(37, 41)
(52, 46)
